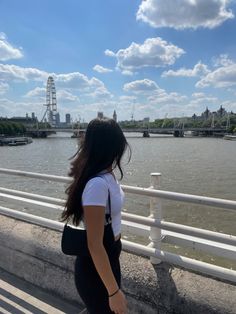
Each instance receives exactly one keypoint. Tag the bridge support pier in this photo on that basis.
(146, 134)
(178, 133)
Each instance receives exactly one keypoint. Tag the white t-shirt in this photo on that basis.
(96, 193)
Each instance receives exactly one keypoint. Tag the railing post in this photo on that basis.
(156, 213)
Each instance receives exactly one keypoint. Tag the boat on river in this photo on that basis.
(15, 141)
(229, 137)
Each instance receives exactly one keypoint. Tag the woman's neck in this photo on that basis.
(109, 169)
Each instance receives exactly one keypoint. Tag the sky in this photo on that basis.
(142, 58)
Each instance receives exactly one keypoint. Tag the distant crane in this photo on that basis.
(164, 121)
(132, 113)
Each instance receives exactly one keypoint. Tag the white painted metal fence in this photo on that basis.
(152, 227)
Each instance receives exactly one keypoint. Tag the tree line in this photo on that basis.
(187, 122)
(11, 128)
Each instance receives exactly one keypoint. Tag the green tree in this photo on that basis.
(11, 128)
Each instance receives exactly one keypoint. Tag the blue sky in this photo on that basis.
(153, 57)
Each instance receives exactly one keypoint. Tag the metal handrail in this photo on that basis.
(152, 224)
(182, 261)
(174, 196)
(55, 203)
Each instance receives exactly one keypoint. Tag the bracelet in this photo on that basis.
(111, 295)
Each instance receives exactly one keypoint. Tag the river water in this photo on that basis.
(200, 166)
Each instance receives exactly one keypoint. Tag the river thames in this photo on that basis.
(199, 166)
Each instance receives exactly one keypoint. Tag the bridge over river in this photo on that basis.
(177, 132)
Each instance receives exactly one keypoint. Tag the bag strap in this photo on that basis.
(108, 216)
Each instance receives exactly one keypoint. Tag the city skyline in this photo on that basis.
(129, 57)
(70, 120)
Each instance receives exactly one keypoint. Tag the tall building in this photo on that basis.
(146, 121)
(221, 112)
(57, 117)
(206, 113)
(33, 115)
(115, 116)
(50, 116)
(68, 119)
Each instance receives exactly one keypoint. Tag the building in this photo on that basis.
(100, 115)
(26, 121)
(146, 121)
(114, 116)
(68, 119)
(221, 112)
(206, 114)
(57, 119)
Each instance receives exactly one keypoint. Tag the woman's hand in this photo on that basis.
(118, 303)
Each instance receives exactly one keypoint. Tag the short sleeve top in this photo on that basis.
(96, 194)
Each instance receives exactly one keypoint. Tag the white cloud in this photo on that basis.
(109, 53)
(66, 83)
(182, 14)
(36, 92)
(101, 93)
(3, 88)
(7, 51)
(161, 97)
(74, 80)
(101, 69)
(199, 101)
(127, 72)
(204, 100)
(229, 105)
(222, 60)
(79, 81)
(127, 98)
(63, 95)
(199, 69)
(154, 52)
(198, 95)
(157, 95)
(222, 77)
(141, 86)
(12, 108)
(11, 72)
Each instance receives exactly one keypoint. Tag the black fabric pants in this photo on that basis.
(89, 284)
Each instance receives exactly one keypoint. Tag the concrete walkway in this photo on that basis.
(18, 297)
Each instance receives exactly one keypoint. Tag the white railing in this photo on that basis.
(153, 227)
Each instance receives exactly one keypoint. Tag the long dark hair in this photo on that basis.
(102, 147)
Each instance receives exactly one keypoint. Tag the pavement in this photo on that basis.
(18, 296)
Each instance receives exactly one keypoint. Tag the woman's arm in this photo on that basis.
(94, 220)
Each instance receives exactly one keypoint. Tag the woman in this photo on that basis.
(93, 193)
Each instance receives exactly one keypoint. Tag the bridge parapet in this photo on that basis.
(32, 252)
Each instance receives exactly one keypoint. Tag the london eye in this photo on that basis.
(51, 102)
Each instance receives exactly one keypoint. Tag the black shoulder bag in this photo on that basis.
(74, 240)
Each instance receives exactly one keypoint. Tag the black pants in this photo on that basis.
(89, 284)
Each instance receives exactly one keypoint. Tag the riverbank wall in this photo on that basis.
(33, 253)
